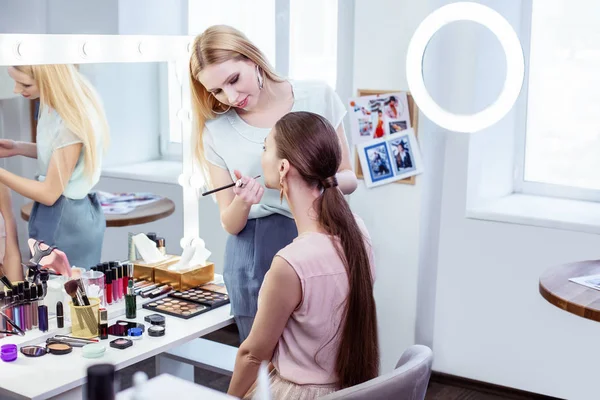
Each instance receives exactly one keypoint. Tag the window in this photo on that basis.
(561, 146)
(313, 40)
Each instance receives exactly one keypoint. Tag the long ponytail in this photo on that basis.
(311, 145)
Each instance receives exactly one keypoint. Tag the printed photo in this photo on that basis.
(379, 162)
(365, 126)
(397, 126)
(388, 114)
(393, 108)
(390, 159)
(402, 156)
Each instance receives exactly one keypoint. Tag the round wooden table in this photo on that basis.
(570, 296)
(141, 215)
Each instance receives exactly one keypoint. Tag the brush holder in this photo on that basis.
(84, 319)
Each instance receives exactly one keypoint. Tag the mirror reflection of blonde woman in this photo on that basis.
(71, 133)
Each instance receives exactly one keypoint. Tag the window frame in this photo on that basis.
(522, 186)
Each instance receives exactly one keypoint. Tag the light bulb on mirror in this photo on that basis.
(183, 180)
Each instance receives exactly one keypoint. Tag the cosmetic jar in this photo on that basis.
(34, 351)
(135, 333)
(121, 343)
(155, 319)
(156, 330)
(59, 349)
(8, 352)
(93, 350)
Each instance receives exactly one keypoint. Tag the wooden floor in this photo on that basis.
(440, 387)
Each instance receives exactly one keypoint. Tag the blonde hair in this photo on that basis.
(217, 44)
(63, 88)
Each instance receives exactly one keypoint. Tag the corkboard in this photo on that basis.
(414, 121)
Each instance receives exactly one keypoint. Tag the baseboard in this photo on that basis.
(506, 392)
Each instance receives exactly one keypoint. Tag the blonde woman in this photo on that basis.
(71, 133)
(237, 98)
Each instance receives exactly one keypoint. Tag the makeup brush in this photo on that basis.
(237, 183)
(73, 291)
(84, 297)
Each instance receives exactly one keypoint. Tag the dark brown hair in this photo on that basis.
(309, 142)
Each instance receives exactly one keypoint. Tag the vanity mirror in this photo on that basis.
(143, 84)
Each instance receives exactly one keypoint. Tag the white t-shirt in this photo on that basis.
(52, 134)
(231, 143)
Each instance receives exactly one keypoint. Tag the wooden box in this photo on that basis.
(186, 278)
(145, 271)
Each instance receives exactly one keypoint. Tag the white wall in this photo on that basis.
(382, 30)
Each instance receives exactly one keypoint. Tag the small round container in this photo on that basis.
(93, 350)
(156, 330)
(59, 349)
(8, 352)
(135, 333)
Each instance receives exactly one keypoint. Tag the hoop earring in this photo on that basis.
(259, 78)
(222, 112)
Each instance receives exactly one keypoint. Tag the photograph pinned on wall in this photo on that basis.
(397, 126)
(379, 162)
(390, 159)
(377, 116)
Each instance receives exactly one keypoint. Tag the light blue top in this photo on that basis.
(53, 134)
(231, 143)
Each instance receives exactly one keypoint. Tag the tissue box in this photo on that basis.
(186, 278)
(145, 271)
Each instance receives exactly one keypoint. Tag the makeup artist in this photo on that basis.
(71, 133)
(237, 97)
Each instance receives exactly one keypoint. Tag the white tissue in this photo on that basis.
(147, 249)
(193, 255)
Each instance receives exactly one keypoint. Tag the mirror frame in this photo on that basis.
(33, 49)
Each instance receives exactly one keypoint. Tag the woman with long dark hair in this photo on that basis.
(316, 319)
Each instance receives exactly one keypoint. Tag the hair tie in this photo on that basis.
(329, 182)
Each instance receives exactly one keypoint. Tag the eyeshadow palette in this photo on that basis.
(176, 307)
(202, 296)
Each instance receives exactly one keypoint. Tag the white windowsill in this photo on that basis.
(547, 212)
(160, 171)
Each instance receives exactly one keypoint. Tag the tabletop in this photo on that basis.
(577, 299)
(49, 375)
(141, 215)
(167, 386)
